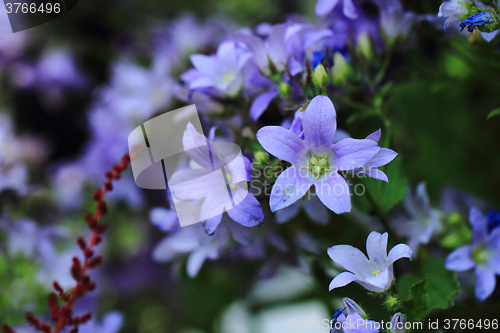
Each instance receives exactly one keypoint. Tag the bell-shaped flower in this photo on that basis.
(483, 254)
(375, 273)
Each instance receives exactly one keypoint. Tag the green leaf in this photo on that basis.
(442, 284)
(417, 305)
(493, 113)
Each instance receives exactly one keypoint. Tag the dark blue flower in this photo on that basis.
(493, 219)
(478, 20)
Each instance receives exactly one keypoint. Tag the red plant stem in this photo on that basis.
(61, 315)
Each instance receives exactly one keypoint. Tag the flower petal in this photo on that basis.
(197, 147)
(341, 280)
(248, 212)
(376, 174)
(382, 281)
(486, 282)
(334, 194)
(384, 156)
(399, 251)
(261, 102)
(212, 223)
(375, 136)
(350, 258)
(289, 188)
(479, 225)
(287, 213)
(460, 259)
(280, 142)
(354, 153)
(317, 211)
(376, 247)
(349, 10)
(324, 7)
(320, 122)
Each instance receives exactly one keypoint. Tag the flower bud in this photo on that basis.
(365, 46)
(320, 77)
(353, 307)
(284, 89)
(341, 69)
(261, 157)
(398, 323)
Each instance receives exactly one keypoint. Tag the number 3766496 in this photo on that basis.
(25, 8)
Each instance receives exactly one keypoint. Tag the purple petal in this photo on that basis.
(382, 281)
(248, 212)
(205, 64)
(276, 46)
(349, 10)
(286, 214)
(488, 36)
(320, 122)
(486, 282)
(375, 136)
(226, 54)
(376, 247)
(352, 153)
(399, 251)
(376, 173)
(239, 233)
(289, 188)
(185, 184)
(383, 157)
(239, 167)
(350, 258)
(196, 260)
(280, 142)
(334, 194)
(212, 223)
(460, 259)
(324, 7)
(258, 49)
(479, 225)
(295, 67)
(261, 103)
(164, 219)
(341, 280)
(317, 211)
(196, 146)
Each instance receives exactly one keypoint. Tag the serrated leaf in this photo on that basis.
(417, 305)
(493, 113)
(442, 284)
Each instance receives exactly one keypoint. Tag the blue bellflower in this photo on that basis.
(316, 159)
(483, 254)
(475, 21)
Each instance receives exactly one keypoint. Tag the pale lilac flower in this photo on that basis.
(211, 197)
(324, 7)
(315, 160)
(421, 221)
(354, 323)
(451, 10)
(223, 70)
(375, 273)
(483, 254)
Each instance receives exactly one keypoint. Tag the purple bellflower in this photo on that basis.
(316, 159)
(483, 254)
(421, 221)
(223, 70)
(452, 10)
(375, 273)
(353, 323)
(247, 213)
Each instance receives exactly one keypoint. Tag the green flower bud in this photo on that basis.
(261, 157)
(320, 77)
(391, 302)
(285, 89)
(341, 69)
(365, 46)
